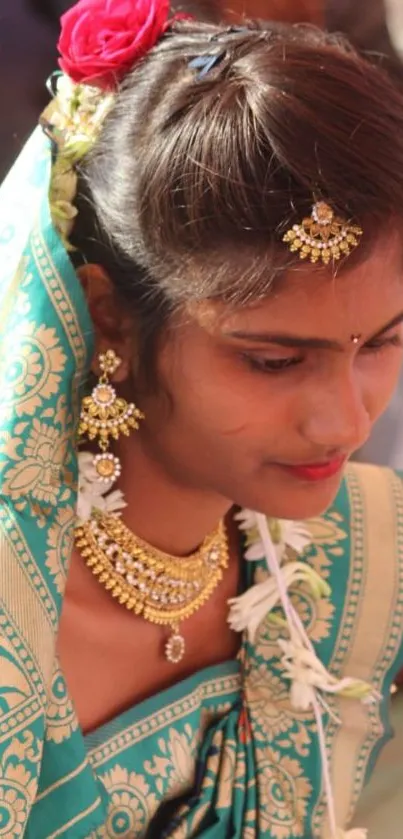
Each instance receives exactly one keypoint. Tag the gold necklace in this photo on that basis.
(163, 589)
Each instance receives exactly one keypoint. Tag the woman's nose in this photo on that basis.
(338, 417)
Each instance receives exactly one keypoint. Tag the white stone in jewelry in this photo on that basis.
(107, 467)
(104, 395)
(323, 236)
(109, 362)
(175, 648)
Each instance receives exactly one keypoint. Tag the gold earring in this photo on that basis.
(104, 415)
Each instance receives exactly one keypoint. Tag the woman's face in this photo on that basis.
(268, 402)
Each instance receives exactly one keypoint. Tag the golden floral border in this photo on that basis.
(359, 477)
(158, 720)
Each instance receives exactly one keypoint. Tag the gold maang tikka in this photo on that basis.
(105, 415)
(323, 236)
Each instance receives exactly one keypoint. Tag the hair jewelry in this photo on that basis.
(323, 236)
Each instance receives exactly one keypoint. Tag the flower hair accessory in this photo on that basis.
(101, 40)
(323, 236)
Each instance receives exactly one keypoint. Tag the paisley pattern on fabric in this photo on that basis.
(284, 794)
(61, 719)
(43, 359)
(60, 543)
(35, 362)
(132, 804)
(174, 764)
(17, 784)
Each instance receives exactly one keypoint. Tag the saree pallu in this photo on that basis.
(381, 806)
(223, 753)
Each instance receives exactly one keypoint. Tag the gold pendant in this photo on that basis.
(175, 646)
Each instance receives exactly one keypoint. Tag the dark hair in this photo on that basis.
(194, 180)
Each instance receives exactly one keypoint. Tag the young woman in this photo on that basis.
(202, 283)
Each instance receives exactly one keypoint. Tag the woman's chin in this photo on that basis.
(296, 499)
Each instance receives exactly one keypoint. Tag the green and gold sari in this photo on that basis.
(223, 753)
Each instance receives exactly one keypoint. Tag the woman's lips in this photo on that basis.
(315, 471)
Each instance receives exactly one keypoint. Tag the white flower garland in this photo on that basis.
(74, 119)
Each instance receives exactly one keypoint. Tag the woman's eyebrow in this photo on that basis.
(286, 340)
(394, 322)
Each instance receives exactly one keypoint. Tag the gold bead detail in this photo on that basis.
(323, 236)
(104, 415)
(162, 588)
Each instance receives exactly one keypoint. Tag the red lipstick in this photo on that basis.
(316, 471)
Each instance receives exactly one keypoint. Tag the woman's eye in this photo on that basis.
(271, 365)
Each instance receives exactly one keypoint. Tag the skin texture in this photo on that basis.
(221, 439)
(230, 423)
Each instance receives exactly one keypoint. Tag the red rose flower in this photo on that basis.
(100, 40)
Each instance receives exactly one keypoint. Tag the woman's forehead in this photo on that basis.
(308, 297)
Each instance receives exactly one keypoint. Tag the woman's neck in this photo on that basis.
(161, 509)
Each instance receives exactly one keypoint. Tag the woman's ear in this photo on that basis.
(114, 327)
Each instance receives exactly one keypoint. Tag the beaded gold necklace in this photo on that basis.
(163, 589)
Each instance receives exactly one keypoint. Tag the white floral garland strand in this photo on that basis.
(309, 675)
(248, 610)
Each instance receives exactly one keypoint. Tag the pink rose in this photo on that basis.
(100, 40)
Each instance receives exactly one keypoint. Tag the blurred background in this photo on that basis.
(28, 37)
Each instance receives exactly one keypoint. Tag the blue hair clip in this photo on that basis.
(205, 63)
